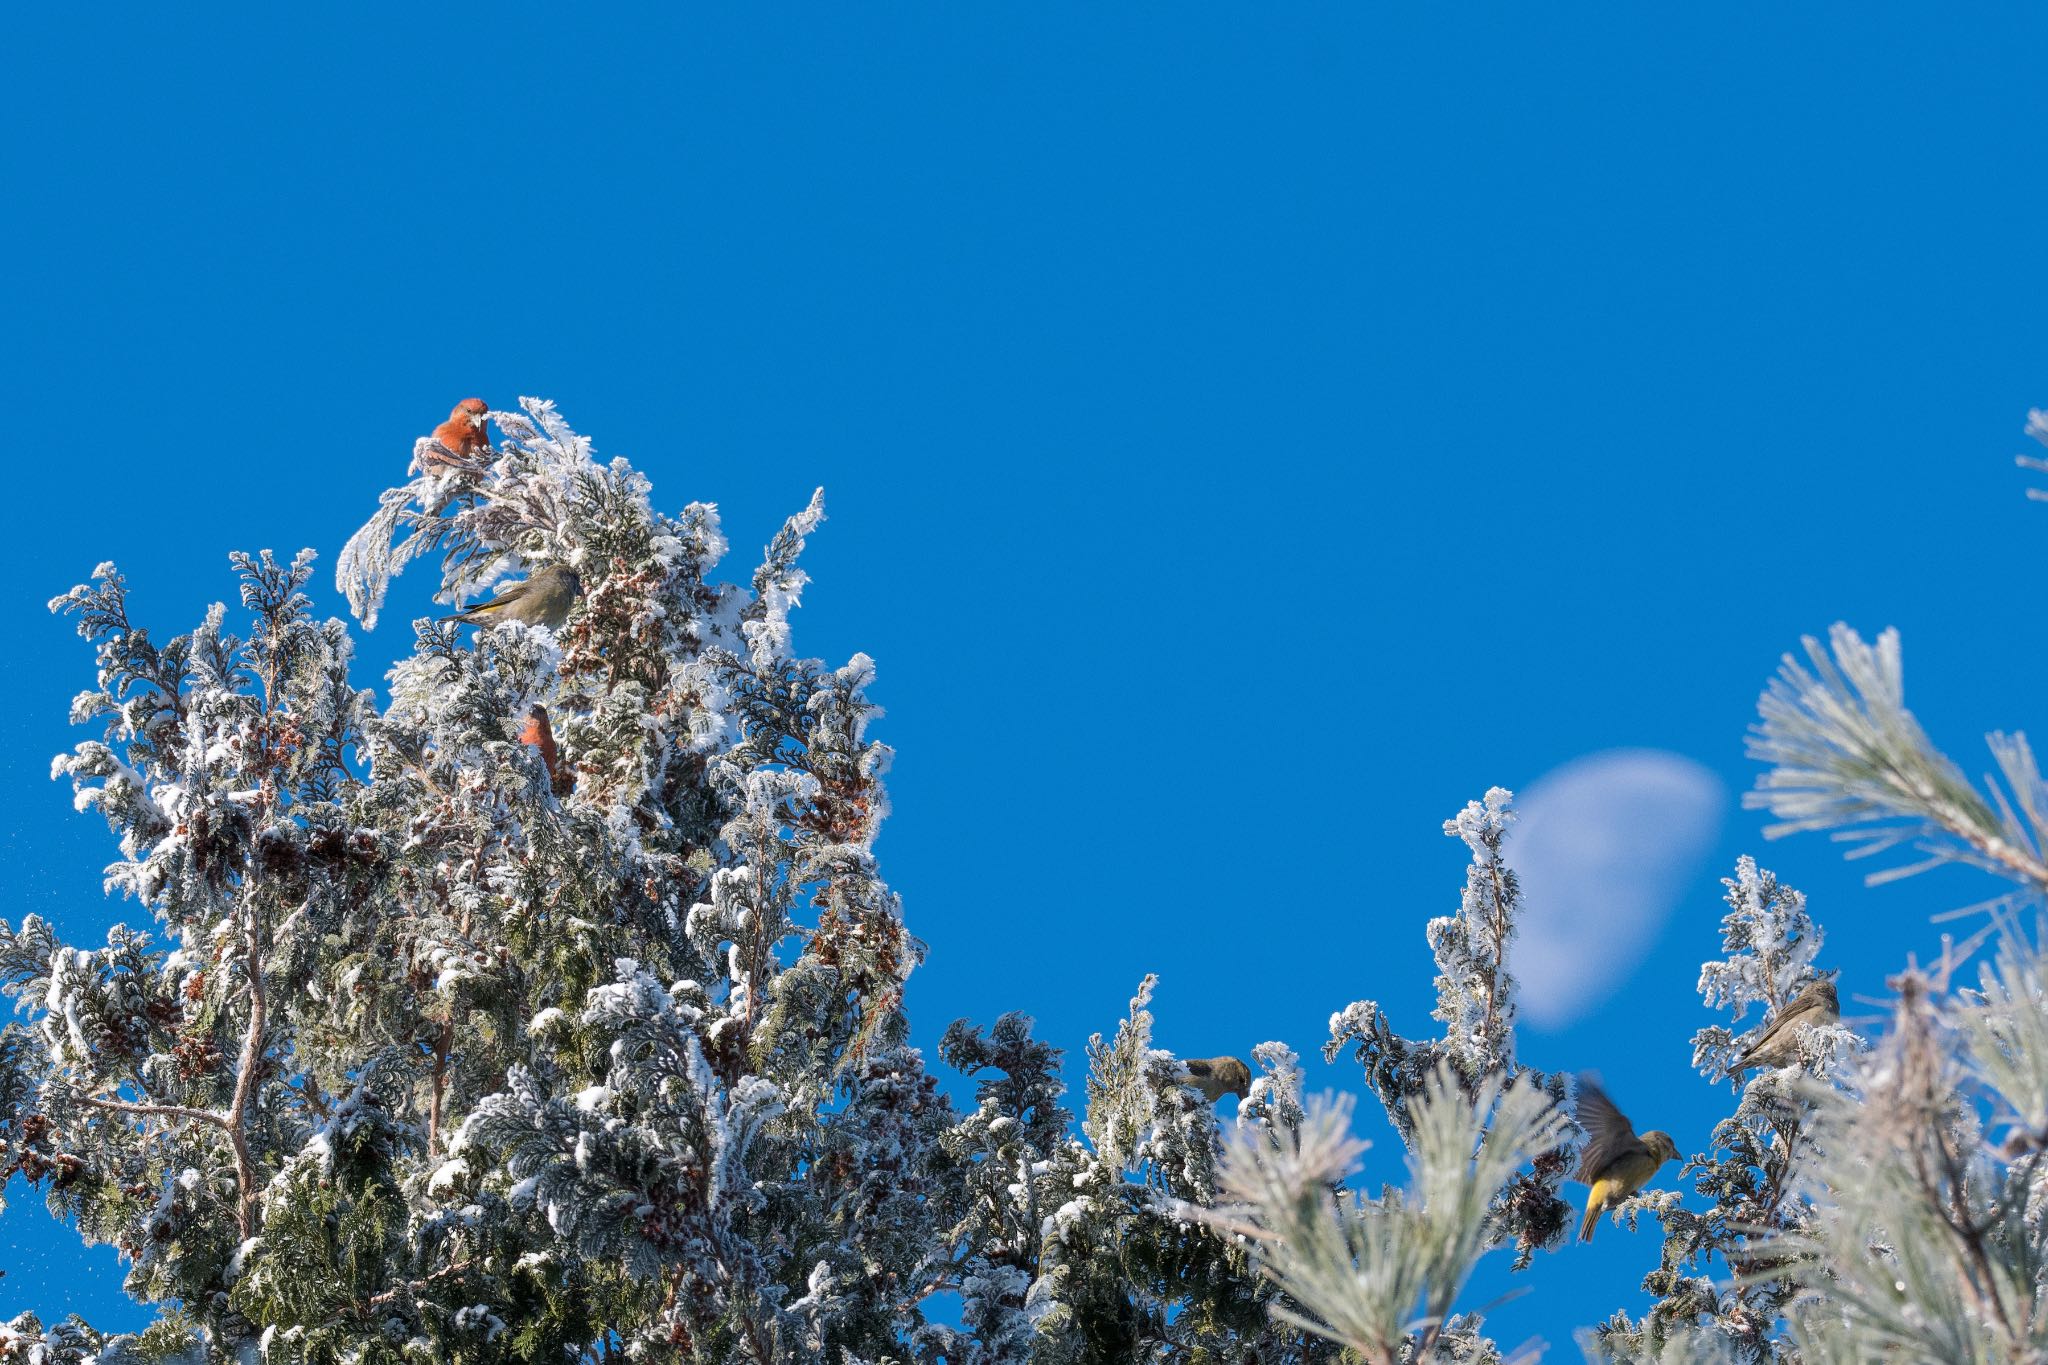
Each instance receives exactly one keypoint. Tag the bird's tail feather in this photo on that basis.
(1592, 1220)
(472, 615)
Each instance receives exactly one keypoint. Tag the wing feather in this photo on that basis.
(1609, 1134)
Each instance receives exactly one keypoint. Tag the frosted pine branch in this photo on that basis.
(1846, 753)
(1380, 1276)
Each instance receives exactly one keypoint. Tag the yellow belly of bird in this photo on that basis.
(1622, 1179)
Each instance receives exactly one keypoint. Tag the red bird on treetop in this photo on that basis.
(462, 435)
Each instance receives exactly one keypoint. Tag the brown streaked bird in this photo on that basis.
(1778, 1045)
(542, 600)
(1216, 1077)
(462, 436)
(1616, 1162)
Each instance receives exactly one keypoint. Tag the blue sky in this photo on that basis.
(1246, 436)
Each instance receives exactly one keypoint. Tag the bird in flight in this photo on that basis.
(1616, 1162)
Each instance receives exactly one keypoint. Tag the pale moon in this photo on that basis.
(1606, 847)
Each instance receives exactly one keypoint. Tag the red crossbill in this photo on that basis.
(539, 731)
(462, 437)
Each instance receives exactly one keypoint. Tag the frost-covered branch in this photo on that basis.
(1846, 754)
(156, 1111)
(1475, 1002)
(1720, 1290)
(1381, 1276)
(1925, 1244)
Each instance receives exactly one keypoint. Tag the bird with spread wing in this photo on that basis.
(1616, 1162)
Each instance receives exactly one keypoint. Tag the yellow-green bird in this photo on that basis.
(1778, 1045)
(1616, 1162)
(542, 600)
(1216, 1077)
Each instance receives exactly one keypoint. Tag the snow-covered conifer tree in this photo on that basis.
(547, 1003)
(1476, 1005)
(434, 1054)
(550, 1004)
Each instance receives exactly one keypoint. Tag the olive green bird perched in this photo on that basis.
(542, 600)
(1216, 1077)
(1616, 1162)
(1778, 1045)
